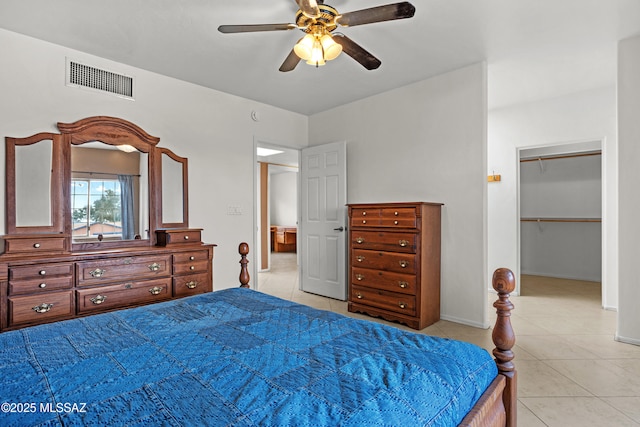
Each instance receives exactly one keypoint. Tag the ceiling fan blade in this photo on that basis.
(357, 52)
(290, 62)
(230, 29)
(388, 12)
(309, 8)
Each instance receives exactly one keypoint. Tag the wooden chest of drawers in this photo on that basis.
(394, 261)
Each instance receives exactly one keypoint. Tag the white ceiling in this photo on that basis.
(534, 48)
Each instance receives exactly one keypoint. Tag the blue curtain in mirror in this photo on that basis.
(127, 206)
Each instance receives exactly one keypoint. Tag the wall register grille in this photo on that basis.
(98, 79)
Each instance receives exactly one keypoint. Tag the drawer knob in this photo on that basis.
(395, 222)
(155, 290)
(154, 267)
(364, 221)
(359, 295)
(98, 272)
(360, 258)
(191, 258)
(42, 272)
(98, 299)
(360, 277)
(42, 285)
(395, 213)
(403, 284)
(192, 267)
(403, 243)
(404, 264)
(36, 245)
(42, 308)
(192, 284)
(360, 240)
(402, 305)
(364, 213)
(186, 237)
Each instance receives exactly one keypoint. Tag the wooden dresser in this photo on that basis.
(394, 261)
(44, 288)
(71, 249)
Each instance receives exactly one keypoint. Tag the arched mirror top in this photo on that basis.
(109, 130)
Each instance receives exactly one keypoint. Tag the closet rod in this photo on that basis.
(561, 156)
(560, 219)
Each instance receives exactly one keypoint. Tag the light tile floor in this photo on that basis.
(570, 370)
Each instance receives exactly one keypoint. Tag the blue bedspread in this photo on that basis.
(235, 357)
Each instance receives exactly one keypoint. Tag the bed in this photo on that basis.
(238, 357)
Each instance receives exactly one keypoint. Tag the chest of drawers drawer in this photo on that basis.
(40, 308)
(122, 269)
(392, 301)
(40, 271)
(178, 236)
(33, 245)
(40, 285)
(384, 241)
(388, 261)
(385, 280)
(117, 295)
(401, 217)
(191, 284)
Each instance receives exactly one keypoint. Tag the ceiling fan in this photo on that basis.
(318, 21)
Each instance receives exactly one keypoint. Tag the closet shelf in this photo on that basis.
(561, 219)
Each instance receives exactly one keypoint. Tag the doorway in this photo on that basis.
(560, 199)
(277, 255)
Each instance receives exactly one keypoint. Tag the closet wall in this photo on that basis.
(560, 208)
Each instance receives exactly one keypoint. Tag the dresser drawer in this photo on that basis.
(191, 267)
(178, 236)
(398, 217)
(191, 285)
(123, 294)
(40, 308)
(40, 285)
(365, 217)
(123, 268)
(40, 271)
(388, 261)
(392, 301)
(190, 256)
(385, 280)
(384, 241)
(33, 245)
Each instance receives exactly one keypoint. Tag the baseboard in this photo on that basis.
(464, 321)
(626, 340)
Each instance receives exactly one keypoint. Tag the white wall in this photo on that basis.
(629, 140)
(283, 198)
(212, 129)
(426, 142)
(579, 117)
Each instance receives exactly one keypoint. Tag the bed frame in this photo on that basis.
(497, 405)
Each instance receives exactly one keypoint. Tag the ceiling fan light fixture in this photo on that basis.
(304, 47)
(317, 54)
(330, 47)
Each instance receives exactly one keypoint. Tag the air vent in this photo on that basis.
(98, 79)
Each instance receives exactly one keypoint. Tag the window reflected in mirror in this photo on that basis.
(33, 165)
(109, 193)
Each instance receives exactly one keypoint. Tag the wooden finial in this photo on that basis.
(504, 339)
(244, 271)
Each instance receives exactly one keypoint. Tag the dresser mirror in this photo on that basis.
(33, 182)
(173, 170)
(109, 198)
(100, 183)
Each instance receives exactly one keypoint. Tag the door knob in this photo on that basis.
(339, 228)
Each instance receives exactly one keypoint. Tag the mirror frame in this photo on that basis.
(185, 189)
(111, 131)
(57, 168)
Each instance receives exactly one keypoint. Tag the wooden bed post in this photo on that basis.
(244, 271)
(504, 339)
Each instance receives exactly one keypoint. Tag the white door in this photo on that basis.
(323, 177)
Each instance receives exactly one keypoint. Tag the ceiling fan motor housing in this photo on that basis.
(327, 19)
